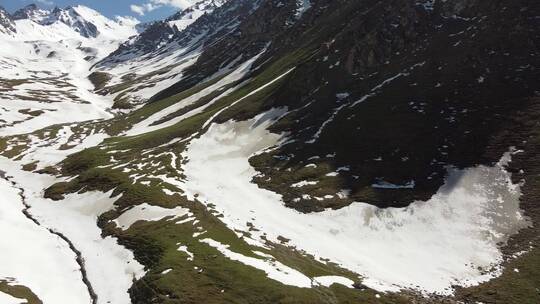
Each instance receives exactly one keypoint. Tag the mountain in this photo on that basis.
(160, 34)
(72, 18)
(162, 47)
(86, 22)
(31, 12)
(6, 22)
(46, 57)
(274, 151)
(182, 19)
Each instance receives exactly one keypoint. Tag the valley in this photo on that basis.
(252, 151)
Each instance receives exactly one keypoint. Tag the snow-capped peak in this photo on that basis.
(185, 17)
(83, 20)
(73, 19)
(31, 12)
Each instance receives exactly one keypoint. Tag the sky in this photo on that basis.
(144, 10)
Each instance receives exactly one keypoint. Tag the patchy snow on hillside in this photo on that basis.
(429, 246)
(146, 125)
(274, 270)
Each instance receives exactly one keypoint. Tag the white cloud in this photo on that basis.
(127, 20)
(174, 3)
(155, 4)
(46, 2)
(137, 9)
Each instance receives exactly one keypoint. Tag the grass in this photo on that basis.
(521, 287)
(99, 79)
(33, 113)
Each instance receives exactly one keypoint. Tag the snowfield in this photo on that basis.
(429, 246)
(110, 268)
(53, 275)
(7, 299)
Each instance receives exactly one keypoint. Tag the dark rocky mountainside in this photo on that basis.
(162, 36)
(403, 90)
(387, 94)
(30, 11)
(6, 22)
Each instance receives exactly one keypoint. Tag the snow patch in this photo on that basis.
(146, 212)
(429, 246)
(327, 281)
(274, 270)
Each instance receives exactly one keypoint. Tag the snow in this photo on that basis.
(185, 250)
(110, 267)
(386, 185)
(7, 299)
(194, 12)
(164, 272)
(304, 183)
(49, 153)
(274, 270)
(302, 7)
(211, 119)
(327, 281)
(53, 275)
(146, 212)
(429, 246)
(170, 59)
(146, 126)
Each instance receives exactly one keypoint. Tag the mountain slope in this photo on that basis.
(304, 152)
(46, 58)
(159, 57)
(6, 22)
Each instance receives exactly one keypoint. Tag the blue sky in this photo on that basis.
(144, 10)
